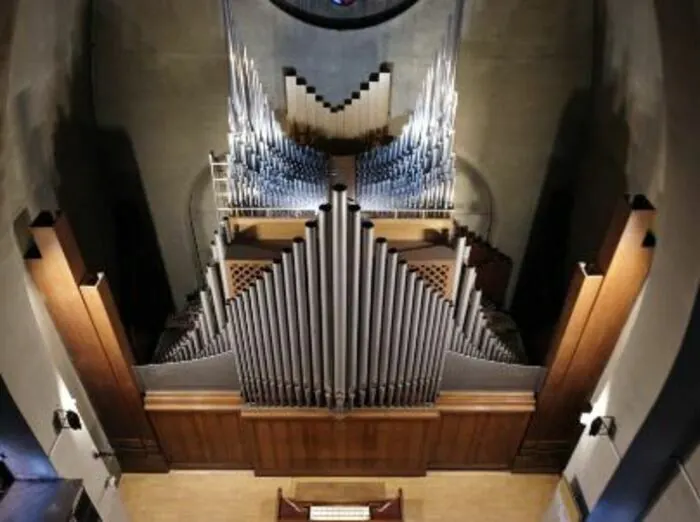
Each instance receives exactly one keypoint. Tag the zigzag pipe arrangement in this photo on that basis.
(339, 320)
(365, 112)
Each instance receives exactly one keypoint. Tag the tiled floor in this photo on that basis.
(238, 496)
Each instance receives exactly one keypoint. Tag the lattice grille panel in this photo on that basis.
(243, 273)
(438, 275)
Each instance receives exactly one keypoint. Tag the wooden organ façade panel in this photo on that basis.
(200, 430)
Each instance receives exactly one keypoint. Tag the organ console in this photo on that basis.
(291, 510)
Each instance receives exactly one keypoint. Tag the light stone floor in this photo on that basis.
(233, 496)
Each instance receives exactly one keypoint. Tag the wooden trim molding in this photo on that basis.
(398, 414)
(506, 402)
(184, 401)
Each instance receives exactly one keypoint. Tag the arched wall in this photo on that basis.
(653, 86)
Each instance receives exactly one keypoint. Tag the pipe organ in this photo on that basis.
(343, 328)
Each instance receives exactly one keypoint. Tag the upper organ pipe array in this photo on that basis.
(266, 168)
(339, 320)
(416, 170)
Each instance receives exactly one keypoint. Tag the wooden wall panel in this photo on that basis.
(83, 311)
(595, 312)
(479, 431)
(199, 430)
(316, 442)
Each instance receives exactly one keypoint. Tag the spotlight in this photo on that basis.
(603, 426)
(66, 419)
(343, 3)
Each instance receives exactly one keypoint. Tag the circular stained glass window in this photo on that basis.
(344, 14)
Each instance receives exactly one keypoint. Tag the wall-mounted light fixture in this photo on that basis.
(66, 420)
(603, 426)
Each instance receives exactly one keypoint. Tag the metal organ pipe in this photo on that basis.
(388, 316)
(266, 339)
(340, 291)
(377, 323)
(214, 284)
(299, 252)
(459, 264)
(406, 329)
(355, 251)
(365, 309)
(312, 262)
(324, 225)
(268, 285)
(290, 303)
(398, 315)
(413, 339)
(281, 312)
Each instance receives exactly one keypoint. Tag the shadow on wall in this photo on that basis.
(144, 299)
(585, 179)
(94, 178)
(473, 201)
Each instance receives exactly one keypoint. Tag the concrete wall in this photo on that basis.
(335, 62)
(41, 45)
(164, 86)
(652, 90)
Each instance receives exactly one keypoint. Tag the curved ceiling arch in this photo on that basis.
(356, 14)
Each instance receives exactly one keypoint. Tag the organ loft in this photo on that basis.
(346, 319)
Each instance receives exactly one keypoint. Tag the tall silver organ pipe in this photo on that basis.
(353, 297)
(324, 229)
(365, 310)
(339, 255)
(315, 318)
(377, 322)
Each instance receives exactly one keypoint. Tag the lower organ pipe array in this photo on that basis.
(338, 321)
